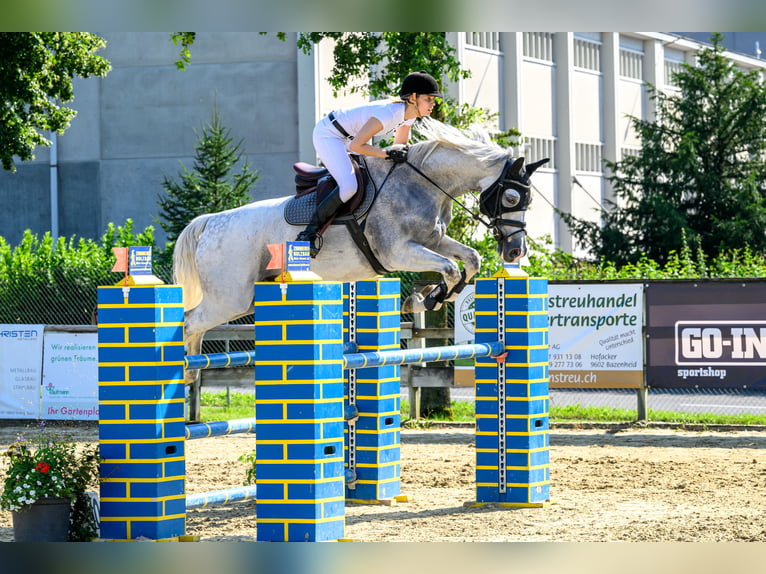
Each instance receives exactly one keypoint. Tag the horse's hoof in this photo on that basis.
(413, 304)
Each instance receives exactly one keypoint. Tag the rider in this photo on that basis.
(350, 130)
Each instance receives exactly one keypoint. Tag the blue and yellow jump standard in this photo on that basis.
(299, 411)
(141, 412)
(512, 436)
(372, 323)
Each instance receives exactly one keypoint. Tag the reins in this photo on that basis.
(475, 216)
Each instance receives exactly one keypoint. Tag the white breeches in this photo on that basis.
(331, 149)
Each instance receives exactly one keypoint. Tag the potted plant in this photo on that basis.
(45, 488)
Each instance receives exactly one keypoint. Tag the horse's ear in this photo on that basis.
(516, 167)
(532, 167)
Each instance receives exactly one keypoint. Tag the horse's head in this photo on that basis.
(505, 203)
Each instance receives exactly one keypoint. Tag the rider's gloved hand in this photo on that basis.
(397, 153)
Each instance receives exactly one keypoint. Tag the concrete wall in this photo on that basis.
(141, 122)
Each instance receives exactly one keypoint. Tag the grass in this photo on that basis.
(216, 407)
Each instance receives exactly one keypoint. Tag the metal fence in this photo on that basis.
(75, 304)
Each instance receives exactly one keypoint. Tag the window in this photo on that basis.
(588, 157)
(671, 68)
(488, 40)
(539, 148)
(587, 54)
(631, 64)
(538, 45)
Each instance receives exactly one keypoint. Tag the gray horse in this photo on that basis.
(219, 256)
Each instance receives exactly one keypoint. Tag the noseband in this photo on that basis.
(491, 204)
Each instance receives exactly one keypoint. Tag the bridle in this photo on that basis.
(494, 202)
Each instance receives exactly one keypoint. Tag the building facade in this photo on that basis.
(570, 94)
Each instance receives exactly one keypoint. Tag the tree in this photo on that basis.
(382, 60)
(700, 170)
(36, 71)
(210, 186)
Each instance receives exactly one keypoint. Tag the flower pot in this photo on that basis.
(46, 520)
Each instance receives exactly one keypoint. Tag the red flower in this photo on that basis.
(42, 467)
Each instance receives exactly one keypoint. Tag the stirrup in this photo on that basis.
(315, 241)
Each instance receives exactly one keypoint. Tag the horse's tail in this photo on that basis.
(184, 261)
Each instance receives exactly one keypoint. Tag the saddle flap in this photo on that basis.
(301, 207)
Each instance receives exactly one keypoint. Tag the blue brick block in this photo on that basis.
(269, 411)
(533, 441)
(158, 411)
(113, 490)
(160, 450)
(111, 412)
(113, 450)
(288, 431)
(156, 373)
(315, 451)
(311, 491)
(173, 315)
(316, 532)
(531, 407)
(266, 334)
(175, 390)
(111, 335)
(129, 431)
(175, 468)
(110, 296)
(157, 489)
(169, 528)
(265, 452)
(114, 530)
(131, 470)
(111, 373)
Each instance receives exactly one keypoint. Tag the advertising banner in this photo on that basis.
(464, 316)
(70, 376)
(20, 370)
(595, 336)
(706, 335)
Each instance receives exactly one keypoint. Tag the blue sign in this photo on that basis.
(140, 261)
(298, 256)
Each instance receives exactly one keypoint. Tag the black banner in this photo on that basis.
(706, 335)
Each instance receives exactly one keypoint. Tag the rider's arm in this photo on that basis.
(402, 135)
(359, 144)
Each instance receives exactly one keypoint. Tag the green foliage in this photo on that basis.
(690, 262)
(390, 56)
(55, 282)
(36, 71)
(185, 40)
(701, 169)
(210, 186)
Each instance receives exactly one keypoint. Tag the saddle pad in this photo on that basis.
(299, 210)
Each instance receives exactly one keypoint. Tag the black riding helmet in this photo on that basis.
(419, 83)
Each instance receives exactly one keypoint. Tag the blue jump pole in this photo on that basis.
(233, 359)
(219, 497)
(220, 428)
(429, 354)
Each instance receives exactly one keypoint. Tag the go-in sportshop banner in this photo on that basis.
(706, 335)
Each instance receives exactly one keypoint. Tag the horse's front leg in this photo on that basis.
(421, 258)
(456, 251)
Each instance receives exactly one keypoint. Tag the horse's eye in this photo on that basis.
(511, 198)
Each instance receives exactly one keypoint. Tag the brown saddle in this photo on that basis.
(315, 179)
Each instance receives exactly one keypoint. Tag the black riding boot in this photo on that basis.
(324, 211)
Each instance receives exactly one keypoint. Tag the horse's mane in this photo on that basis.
(476, 141)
